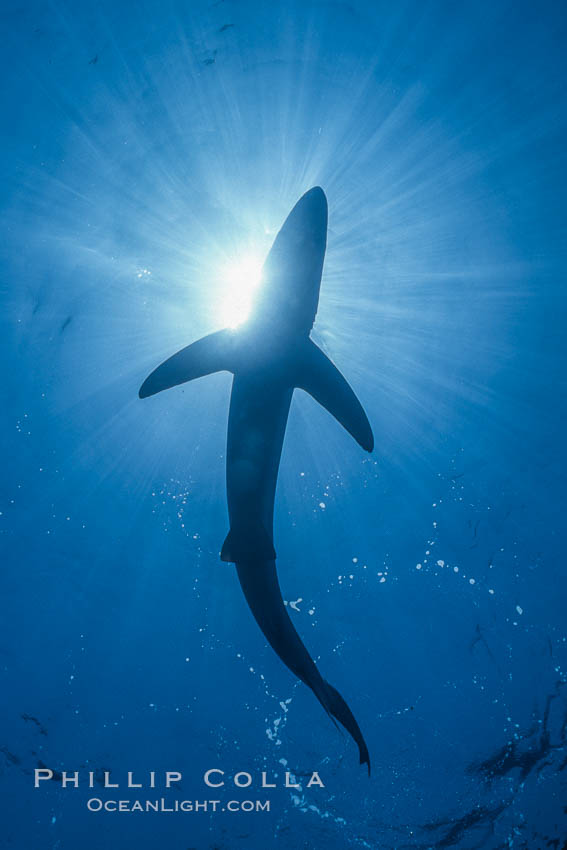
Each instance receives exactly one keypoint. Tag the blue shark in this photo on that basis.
(270, 356)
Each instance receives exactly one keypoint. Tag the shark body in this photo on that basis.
(269, 356)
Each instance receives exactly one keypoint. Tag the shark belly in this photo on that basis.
(259, 409)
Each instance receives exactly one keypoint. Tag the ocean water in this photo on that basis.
(150, 152)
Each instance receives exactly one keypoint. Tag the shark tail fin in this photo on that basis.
(337, 707)
(259, 582)
(319, 377)
(246, 541)
(212, 353)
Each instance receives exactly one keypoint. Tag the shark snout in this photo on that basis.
(307, 222)
(314, 203)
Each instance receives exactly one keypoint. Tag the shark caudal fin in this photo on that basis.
(212, 353)
(248, 540)
(337, 707)
(319, 377)
(259, 582)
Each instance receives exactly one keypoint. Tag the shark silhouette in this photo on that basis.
(270, 355)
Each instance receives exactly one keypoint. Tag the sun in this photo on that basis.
(240, 278)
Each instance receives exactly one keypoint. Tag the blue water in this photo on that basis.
(146, 147)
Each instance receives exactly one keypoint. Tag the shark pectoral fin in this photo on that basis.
(248, 541)
(319, 377)
(212, 353)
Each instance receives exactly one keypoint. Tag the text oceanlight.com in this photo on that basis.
(95, 804)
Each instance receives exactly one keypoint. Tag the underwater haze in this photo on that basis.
(150, 154)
